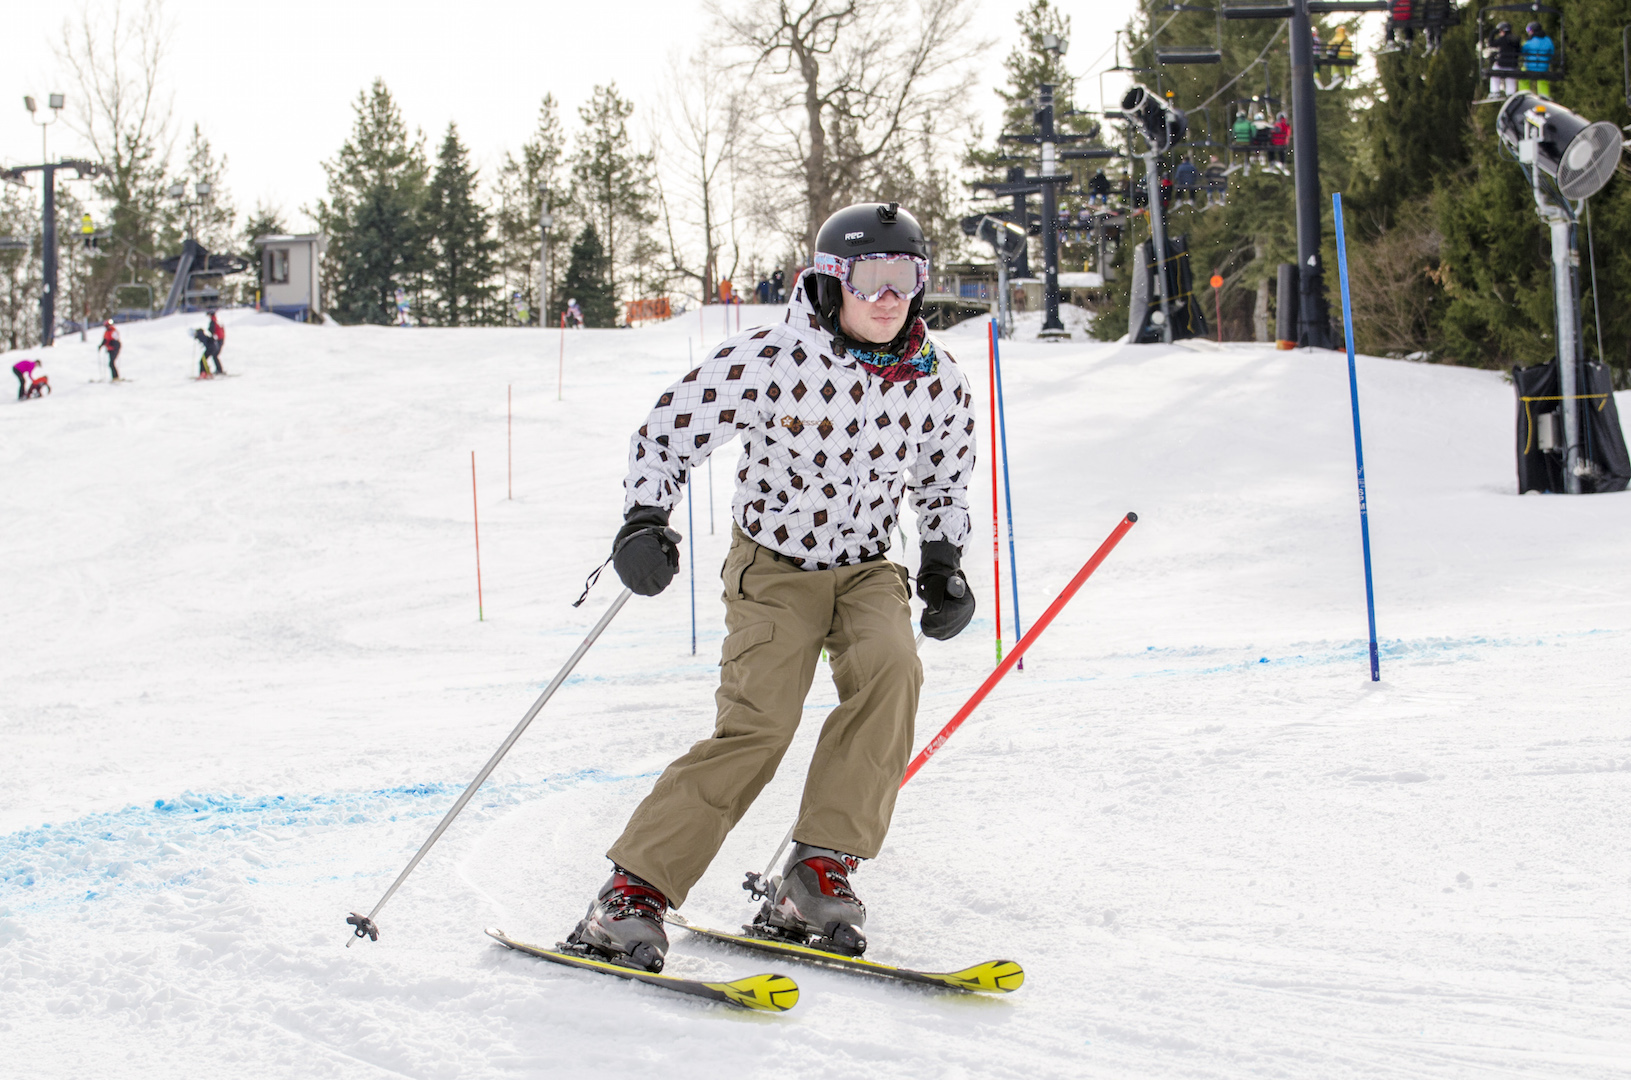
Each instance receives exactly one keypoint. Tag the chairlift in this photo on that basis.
(1189, 54)
(1492, 16)
(1333, 61)
(1432, 17)
(1250, 139)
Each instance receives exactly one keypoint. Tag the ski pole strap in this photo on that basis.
(589, 582)
(1020, 648)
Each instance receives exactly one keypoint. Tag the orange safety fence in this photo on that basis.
(641, 310)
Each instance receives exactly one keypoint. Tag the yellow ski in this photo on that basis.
(991, 977)
(763, 993)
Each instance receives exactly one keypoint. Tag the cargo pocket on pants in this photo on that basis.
(744, 639)
(737, 561)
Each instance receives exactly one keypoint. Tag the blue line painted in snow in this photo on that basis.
(111, 845)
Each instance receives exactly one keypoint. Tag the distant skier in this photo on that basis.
(762, 290)
(843, 407)
(1187, 178)
(219, 333)
(209, 344)
(1098, 189)
(1535, 60)
(110, 342)
(574, 315)
(1399, 18)
(1280, 139)
(778, 286)
(1217, 182)
(1504, 48)
(29, 383)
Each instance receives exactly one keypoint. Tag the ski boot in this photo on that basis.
(624, 924)
(814, 905)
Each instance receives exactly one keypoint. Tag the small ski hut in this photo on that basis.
(289, 275)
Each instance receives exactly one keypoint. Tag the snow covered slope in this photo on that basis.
(243, 676)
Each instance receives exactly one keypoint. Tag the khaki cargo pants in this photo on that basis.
(778, 618)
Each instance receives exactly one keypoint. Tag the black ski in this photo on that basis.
(764, 993)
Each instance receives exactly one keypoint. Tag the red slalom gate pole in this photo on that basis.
(1021, 646)
(996, 532)
(475, 515)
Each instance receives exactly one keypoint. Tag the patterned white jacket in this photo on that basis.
(828, 446)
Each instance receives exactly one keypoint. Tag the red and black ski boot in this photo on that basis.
(625, 923)
(814, 904)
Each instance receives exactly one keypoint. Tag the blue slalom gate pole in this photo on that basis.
(690, 526)
(1007, 491)
(1359, 449)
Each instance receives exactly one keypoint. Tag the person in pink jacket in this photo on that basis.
(26, 380)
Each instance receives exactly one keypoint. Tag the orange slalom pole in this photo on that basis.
(475, 515)
(1023, 644)
(996, 531)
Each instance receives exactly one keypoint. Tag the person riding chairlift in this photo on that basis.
(1535, 59)
(1503, 50)
(1399, 14)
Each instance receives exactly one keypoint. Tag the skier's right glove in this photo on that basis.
(646, 552)
(948, 602)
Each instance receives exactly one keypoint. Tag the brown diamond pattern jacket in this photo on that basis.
(828, 447)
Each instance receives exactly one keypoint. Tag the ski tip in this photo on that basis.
(991, 977)
(498, 935)
(762, 993)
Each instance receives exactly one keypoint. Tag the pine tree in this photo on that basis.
(524, 185)
(460, 231)
(613, 184)
(587, 281)
(376, 189)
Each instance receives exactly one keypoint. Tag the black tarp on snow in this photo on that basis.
(1602, 441)
(1187, 319)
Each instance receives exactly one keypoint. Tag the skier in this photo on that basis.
(205, 339)
(1535, 59)
(1187, 178)
(219, 333)
(1339, 47)
(574, 315)
(762, 290)
(1280, 138)
(1098, 188)
(778, 286)
(28, 384)
(1217, 181)
(843, 407)
(1399, 14)
(1503, 51)
(110, 342)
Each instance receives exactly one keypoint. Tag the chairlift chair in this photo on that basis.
(1211, 53)
(1491, 16)
(1338, 61)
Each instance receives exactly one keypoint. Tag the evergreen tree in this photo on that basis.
(587, 281)
(376, 189)
(524, 185)
(460, 231)
(613, 184)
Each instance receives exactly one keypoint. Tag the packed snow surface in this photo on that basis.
(244, 676)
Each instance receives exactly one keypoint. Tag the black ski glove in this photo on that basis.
(948, 602)
(646, 553)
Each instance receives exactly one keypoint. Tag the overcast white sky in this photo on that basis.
(272, 84)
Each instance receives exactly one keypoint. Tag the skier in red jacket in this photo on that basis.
(110, 342)
(219, 333)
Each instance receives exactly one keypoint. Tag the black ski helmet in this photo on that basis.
(1503, 27)
(866, 229)
(1534, 29)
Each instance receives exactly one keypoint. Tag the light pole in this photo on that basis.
(56, 101)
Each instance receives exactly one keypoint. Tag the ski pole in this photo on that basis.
(1023, 644)
(1359, 450)
(996, 527)
(1007, 491)
(364, 924)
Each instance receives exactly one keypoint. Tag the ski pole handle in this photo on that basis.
(364, 924)
(1020, 648)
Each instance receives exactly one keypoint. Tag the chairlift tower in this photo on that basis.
(1313, 315)
(83, 170)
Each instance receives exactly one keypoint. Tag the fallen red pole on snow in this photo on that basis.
(1024, 643)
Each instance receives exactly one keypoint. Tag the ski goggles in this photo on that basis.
(868, 277)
